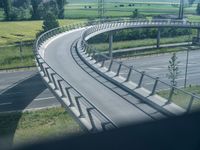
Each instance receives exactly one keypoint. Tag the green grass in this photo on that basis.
(10, 57)
(151, 52)
(113, 10)
(12, 32)
(182, 99)
(38, 125)
(194, 18)
(139, 43)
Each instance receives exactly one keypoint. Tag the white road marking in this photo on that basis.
(41, 99)
(2, 104)
(154, 68)
(14, 93)
(150, 83)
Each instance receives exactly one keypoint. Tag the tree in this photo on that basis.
(21, 3)
(7, 8)
(191, 2)
(135, 14)
(49, 22)
(198, 9)
(61, 8)
(173, 69)
(35, 13)
(1, 3)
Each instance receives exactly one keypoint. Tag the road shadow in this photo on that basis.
(17, 98)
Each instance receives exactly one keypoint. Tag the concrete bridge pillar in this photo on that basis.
(158, 39)
(198, 34)
(110, 44)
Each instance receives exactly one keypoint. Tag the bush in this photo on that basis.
(198, 9)
(49, 23)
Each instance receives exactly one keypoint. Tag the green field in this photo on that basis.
(182, 99)
(10, 57)
(139, 43)
(78, 10)
(13, 32)
(37, 125)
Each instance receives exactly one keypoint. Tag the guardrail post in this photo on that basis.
(48, 76)
(158, 39)
(141, 79)
(71, 104)
(98, 58)
(94, 129)
(54, 81)
(103, 63)
(129, 74)
(61, 89)
(110, 44)
(198, 35)
(93, 54)
(118, 71)
(170, 95)
(86, 49)
(190, 104)
(154, 87)
(41, 67)
(90, 50)
(79, 107)
(110, 66)
(105, 124)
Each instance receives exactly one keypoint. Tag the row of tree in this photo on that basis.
(198, 9)
(32, 9)
(135, 34)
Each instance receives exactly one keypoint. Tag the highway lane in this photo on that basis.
(24, 90)
(157, 66)
(116, 108)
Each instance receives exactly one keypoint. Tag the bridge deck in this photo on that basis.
(116, 108)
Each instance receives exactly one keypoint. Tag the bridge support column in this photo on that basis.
(110, 44)
(158, 39)
(198, 34)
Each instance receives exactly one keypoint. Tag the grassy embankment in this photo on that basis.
(182, 99)
(33, 126)
(14, 32)
(139, 43)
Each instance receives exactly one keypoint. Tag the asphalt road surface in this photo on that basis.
(157, 66)
(120, 107)
(24, 90)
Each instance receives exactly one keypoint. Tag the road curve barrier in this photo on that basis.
(103, 64)
(83, 111)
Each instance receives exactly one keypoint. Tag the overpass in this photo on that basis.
(97, 96)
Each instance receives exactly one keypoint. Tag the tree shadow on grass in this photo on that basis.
(16, 98)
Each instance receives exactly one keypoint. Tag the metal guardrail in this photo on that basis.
(116, 25)
(93, 119)
(189, 98)
(81, 107)
(196, 40)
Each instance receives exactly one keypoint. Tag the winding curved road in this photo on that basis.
(58, 55)
(117, 104)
